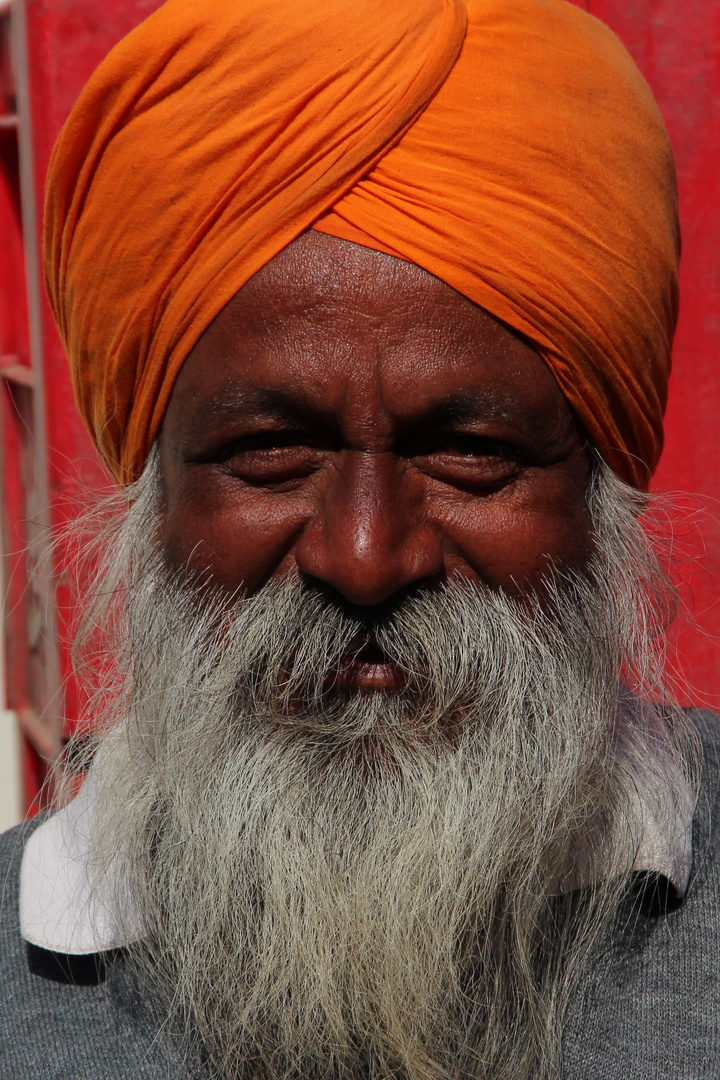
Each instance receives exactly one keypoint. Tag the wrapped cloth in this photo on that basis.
(510, 147)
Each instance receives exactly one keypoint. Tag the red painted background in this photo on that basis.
(676, 43)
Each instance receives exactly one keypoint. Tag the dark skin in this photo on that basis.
(352, 417)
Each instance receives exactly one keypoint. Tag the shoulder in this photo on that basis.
(61, 1016)
(649, 1003)
(12, 848)
(705, 832)
(707, 723)
(13, 841)
(12, 845)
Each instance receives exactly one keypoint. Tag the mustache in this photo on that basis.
(280, 651)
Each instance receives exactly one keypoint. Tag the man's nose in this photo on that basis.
(368, 538)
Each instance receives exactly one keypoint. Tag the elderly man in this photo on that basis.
(369, 309)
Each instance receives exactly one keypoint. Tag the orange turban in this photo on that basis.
(510, 147)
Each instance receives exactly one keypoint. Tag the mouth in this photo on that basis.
(366, 667)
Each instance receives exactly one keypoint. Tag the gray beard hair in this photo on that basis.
(369, 884)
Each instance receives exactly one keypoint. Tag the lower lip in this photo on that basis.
(354, 674)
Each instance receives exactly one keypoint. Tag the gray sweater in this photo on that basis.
(648, 1006)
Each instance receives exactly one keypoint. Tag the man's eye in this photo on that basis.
(260, 441)
(471, 446)
(268, 457)
(476, 446)
(470, 461)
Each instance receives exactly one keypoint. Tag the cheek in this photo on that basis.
(516, 542)
(237, 540)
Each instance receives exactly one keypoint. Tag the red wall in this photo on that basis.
(677, 45)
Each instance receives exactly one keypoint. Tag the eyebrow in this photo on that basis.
(297, 407)
(291, 407)
(219, 413)
(466, 406)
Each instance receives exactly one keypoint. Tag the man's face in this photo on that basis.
(352, 417)
(362, 781)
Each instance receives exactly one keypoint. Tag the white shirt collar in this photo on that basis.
(64, 898)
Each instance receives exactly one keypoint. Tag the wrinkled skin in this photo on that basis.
(349, 415)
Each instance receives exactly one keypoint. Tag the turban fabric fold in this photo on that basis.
(510, 147)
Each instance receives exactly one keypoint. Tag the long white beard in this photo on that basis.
(365, 885)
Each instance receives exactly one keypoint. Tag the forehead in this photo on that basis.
(350, 330)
